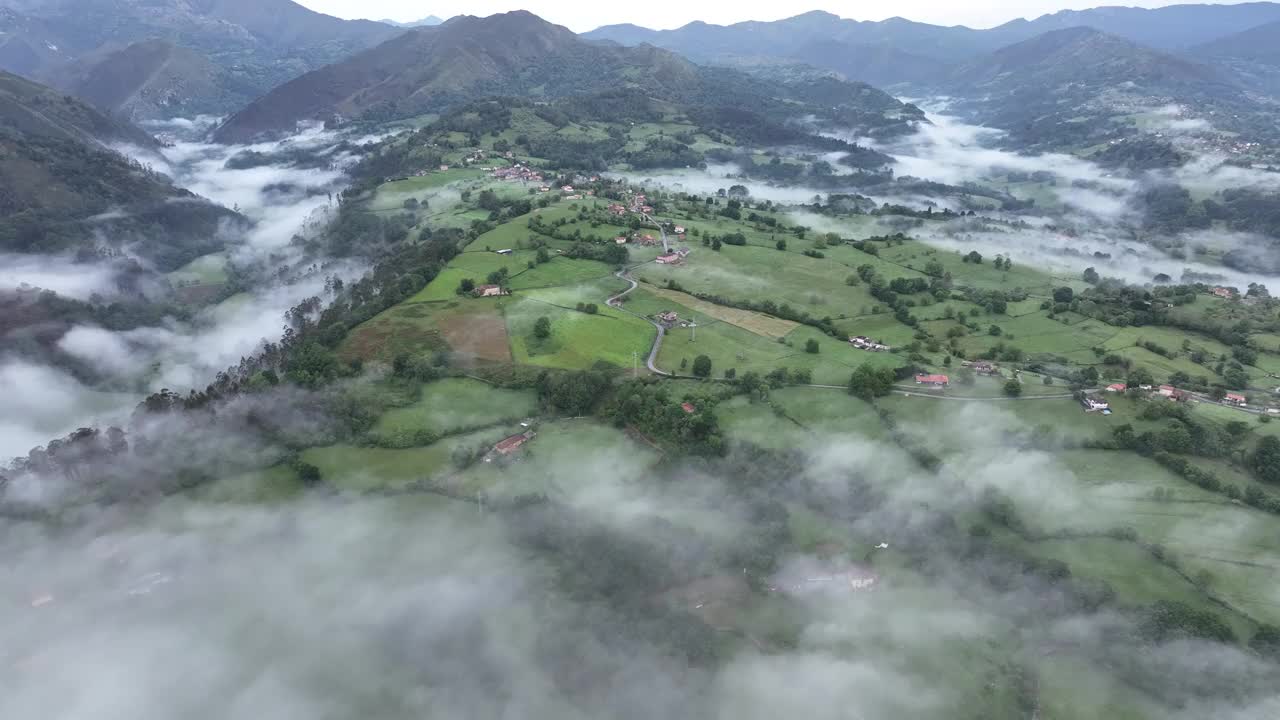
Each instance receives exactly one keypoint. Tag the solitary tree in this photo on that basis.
(542, 328)
(1013, 388)
(702, 366)
(811, 346)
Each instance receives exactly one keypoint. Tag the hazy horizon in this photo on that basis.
(666, 14)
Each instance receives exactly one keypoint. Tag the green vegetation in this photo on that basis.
(448, 406)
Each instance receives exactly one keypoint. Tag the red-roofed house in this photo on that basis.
(935, 380)
(1224, 292)
(1236, 399)
(511, 444)
(688, 407)
(668, 259)
(1117, 387)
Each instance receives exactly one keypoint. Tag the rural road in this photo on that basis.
(616, 302)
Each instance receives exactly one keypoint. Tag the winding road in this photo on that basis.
(616, 302)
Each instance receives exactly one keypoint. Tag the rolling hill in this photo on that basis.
(1061, 60)
(63, 190)
(515, 54)
(153, 79)
(1253, 56)
(1067, 87)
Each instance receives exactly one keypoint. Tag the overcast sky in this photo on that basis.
(583, 15)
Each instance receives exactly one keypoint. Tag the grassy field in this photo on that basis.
(205, 270)
(602, 456)
(578, 340)
(362, 469)
(763, 325)
(405, 328)
(732, 346)
(1074, 689)
(273, 484)
(454, 404)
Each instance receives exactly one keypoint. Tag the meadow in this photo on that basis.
(451, 405)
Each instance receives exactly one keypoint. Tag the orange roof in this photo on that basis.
(943, 379)
(688, 407)
(509, 444)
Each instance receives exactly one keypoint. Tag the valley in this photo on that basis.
(479, 368)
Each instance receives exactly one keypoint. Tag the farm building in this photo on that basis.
(934, 380)
(670, 317)
(863, 342)
(985, 367)
(509, 445)
(1095, 405)
(811, 576)
(504, 251)
(489, 291)
(621, 240)
(1224, 292)
(1172, 393)
(1117, 387)
(668, 259)
(1236, 399)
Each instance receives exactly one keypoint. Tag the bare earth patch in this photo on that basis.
(765, 325)
(476, 336)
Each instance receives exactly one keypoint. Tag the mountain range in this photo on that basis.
(516, 54)
(427, 21)
(257, 43)
(153, 79)
(902, 51)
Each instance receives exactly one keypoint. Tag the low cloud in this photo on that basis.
(63, 275)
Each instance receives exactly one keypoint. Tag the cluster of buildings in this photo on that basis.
(675, 257)
(983, 367)
(862, 342)
(670, 319)
(637, 203)
(642, 239)
(518, 173)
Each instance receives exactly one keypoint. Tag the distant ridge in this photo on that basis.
(517, 54)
